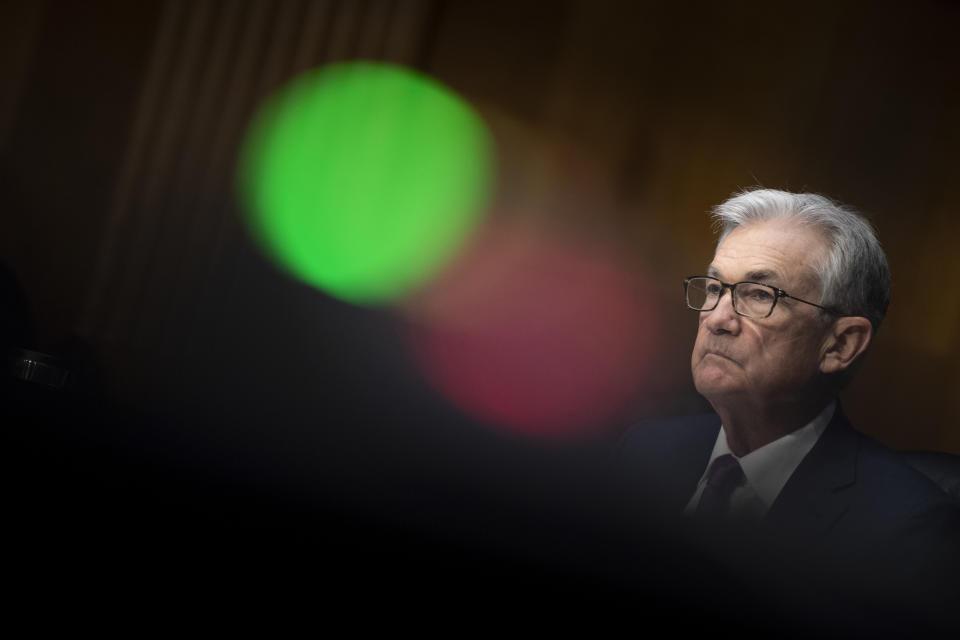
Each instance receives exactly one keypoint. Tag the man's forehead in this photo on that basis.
(778, 252)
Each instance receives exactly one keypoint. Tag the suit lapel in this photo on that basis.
(691, 461)
(665, 459)
(817, 494)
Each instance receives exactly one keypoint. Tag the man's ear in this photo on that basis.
(849, 337)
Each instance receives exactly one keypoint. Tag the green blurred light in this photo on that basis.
(362, 179)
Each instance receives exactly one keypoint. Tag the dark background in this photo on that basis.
(222, 402)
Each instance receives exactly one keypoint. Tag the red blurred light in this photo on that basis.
(540, 336)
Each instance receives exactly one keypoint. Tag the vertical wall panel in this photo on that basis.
(174, 216)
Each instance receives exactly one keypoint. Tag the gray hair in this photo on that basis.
(854, 276)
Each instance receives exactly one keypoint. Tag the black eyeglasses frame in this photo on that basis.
(779, 293)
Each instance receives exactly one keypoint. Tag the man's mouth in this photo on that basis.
(719, 354)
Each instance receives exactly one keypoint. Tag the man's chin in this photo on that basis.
(716, 386)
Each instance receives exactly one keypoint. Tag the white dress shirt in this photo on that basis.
(767, 469)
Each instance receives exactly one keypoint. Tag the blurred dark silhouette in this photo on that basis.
(16, 318)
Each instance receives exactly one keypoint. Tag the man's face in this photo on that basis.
(774, 359)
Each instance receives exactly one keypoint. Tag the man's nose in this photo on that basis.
(722, 319)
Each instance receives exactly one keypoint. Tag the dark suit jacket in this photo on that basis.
(853, 522)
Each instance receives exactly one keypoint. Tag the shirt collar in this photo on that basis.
(768, 468)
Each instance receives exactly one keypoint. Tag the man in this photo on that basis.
(777, 484)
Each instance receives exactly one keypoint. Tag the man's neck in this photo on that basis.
(750, 427)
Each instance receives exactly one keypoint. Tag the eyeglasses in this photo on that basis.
(750, 299)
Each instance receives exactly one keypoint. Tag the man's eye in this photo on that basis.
(714, 289)
(761, 295)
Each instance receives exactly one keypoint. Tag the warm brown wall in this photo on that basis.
(625, 120)
(70, 76)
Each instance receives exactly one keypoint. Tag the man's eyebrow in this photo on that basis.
(762, 275)
(759, 275)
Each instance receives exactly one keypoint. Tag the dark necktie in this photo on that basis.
(724, 476)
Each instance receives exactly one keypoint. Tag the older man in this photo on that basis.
(778, 479)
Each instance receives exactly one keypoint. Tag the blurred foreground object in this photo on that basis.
(38, 368)
(542, 335)
(362, 179)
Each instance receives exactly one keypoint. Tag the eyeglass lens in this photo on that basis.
(755, 300)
